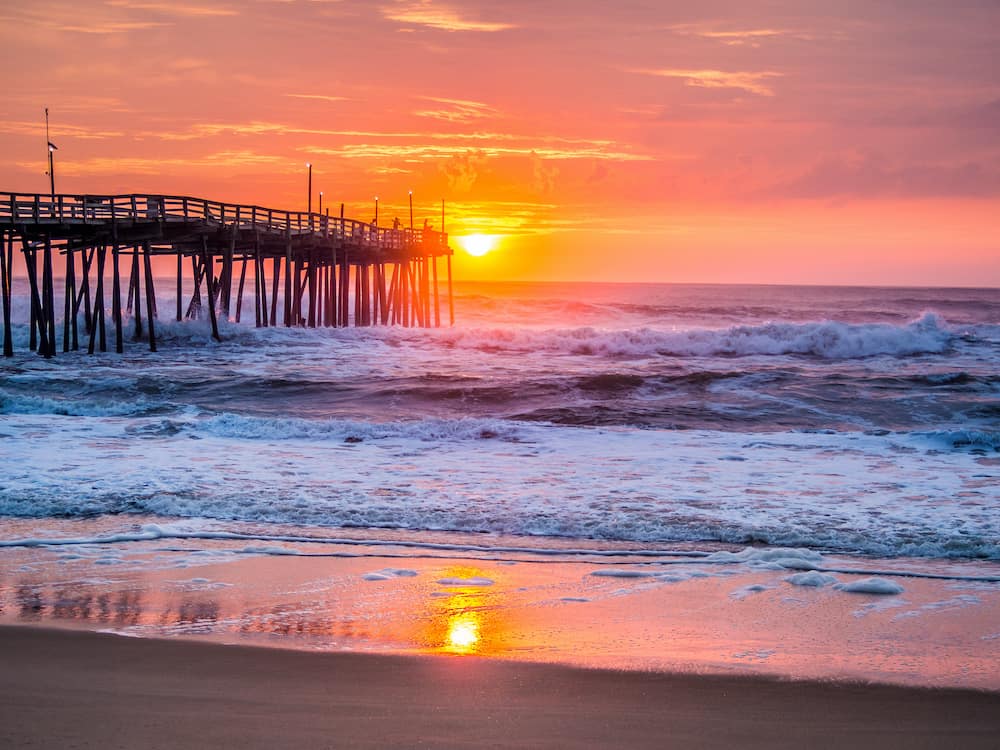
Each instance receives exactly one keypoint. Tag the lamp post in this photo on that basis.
(52, 149)
(376, 211)
(411, 210)
(321, 202)
(309, 166)
(52, 172)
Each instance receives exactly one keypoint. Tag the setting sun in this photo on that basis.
(478, 244)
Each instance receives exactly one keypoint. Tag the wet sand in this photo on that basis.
(61, 689)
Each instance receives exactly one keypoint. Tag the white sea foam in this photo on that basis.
(985, 440)
(957, 602)
(812, 578)
(749, 590)
(249, 427)
(872, 585)
(472, 582)
(883, 495)
(619, 573)
(387, 574)
(826, 339)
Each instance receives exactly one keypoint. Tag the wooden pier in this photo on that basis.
(328, 271)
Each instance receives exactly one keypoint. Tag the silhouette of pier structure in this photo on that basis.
(329, 271)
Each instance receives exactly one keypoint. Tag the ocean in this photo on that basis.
(846, 419)
(637, 423)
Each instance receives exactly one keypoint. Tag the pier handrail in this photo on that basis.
(43, 208)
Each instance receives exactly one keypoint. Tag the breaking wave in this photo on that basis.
(826, 339)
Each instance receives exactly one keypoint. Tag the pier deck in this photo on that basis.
(326, 270)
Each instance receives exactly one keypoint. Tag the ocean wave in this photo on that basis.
(962, 440)
(345, 430)
(928, 334)
(17, 403)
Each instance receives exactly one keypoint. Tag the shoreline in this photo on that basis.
(741, 617)
(62, 687)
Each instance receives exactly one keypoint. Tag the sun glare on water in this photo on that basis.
(478, 244)
(463, 633)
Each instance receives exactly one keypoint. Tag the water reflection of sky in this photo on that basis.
(942, 634)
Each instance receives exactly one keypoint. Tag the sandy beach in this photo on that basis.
(62, 689)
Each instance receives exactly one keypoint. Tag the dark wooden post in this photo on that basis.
(116, 296)
(74, 323)
(180, 284)
(404, 292)
(6, 284)
(31, 266)
(276, 276)
(263, 286)
(425, 278)
(226, 279)
(451, 299)
(69, 289)
(357, 296)
(288, 278)
(97, 332)
(134, 289)
(50, 302)
(437, 300)
(197, 272)
(88, 261)
(150, 296)
(345, 289)
(393, 297)
(383, 296)
(311, 280)
(239, 291)
(260, 308)
(210, 288)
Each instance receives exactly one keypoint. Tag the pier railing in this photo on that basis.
(41, 209)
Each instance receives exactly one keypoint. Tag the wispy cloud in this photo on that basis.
(437, 16)
(447, 151)
(753, 82)
(739, 36)
(174, 9)
(319, 97)
(25, 127)
(153, 166)
(109, 27)
(96, 19)
(456, 110)
(258, 128)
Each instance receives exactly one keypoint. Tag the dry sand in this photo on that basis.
(66, 689)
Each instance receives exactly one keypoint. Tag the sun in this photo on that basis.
(478, 244)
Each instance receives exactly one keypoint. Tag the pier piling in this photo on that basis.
(331, 263)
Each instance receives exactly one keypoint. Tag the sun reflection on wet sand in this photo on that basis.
(465, 617)
(463, 633)
(484, 609)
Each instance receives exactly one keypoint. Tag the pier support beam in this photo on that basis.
(6, 290)
(288, 281)
(116, 297)
(97, 332)
(150, 296)
(210, 286)
(451, 299)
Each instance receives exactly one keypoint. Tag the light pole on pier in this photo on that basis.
(309, 166)
(52, 149)
(411, 210)
(321, 201)
(376, 211)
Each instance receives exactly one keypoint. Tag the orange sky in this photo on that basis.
(731, 141)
